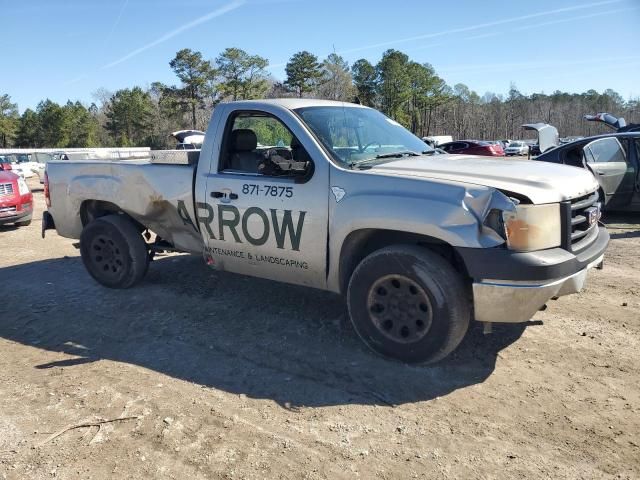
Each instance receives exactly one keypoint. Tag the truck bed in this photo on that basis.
(156, 191)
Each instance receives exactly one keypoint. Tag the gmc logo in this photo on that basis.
(593, 214)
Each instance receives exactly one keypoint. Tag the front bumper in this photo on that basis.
(510, 287)
(511, 302)
(21, 216)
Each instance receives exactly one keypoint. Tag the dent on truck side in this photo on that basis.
(438, 212)
(153, 195)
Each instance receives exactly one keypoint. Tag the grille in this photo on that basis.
(583, 216)
(6, 189)
(5, 210)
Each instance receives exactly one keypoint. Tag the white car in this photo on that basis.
(22, 164)
(517, 148)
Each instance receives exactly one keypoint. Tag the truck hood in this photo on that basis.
(541, 182)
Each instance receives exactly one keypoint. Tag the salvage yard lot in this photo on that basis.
(233, 377)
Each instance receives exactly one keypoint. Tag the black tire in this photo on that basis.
(24, 223)
(436, 311)
(114, 252)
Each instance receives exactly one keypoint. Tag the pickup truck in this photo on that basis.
(339, 197)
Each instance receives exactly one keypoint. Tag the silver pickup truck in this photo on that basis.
(339, 197)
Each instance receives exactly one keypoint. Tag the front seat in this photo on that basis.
(243, 155)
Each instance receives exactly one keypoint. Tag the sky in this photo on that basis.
(68, 49)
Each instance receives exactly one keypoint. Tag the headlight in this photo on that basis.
(23, 188)
(532, 227)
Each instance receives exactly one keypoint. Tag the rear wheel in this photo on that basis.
(113, 251)
(408, 303)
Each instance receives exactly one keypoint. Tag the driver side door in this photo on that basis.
(261, 221)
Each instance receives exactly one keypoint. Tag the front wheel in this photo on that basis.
(408, 303)
(113, 251)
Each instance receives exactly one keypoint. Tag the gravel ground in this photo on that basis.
(221, 376)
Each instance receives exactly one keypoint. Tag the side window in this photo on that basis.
(605, 150)
(260, 144)
(575, 156)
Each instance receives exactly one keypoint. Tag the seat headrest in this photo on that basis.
(295, 143)
(243, 140)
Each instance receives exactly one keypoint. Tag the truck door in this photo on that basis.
(616, 174)
(266, 211)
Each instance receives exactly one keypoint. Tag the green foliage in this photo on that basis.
(303, 73)
(336, 82)
(407, 91)
(394, 83)
(53, 129)
(129, 117)
(8, 120)
(83, 126)
(365, 81)
(242, 76)
(270, 132)
(53, 125)
(197, 76)
(28, 129)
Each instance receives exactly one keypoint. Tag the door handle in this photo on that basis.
(225, 194)
(600, 172)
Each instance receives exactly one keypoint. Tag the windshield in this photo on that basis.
(516, 144)
(354, 135)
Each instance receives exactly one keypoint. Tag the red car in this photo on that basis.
(473, 147)
(16, 200)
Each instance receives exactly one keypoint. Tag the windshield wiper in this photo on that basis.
(365, 163)
(409, 153)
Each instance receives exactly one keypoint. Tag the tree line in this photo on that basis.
(407, 91)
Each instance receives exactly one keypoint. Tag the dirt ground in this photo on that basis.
(220, 376)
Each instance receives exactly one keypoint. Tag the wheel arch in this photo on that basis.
(361, 243)
(93, 209)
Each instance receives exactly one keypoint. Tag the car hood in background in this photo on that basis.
(7, 176)
(538, 181)
(188, 136)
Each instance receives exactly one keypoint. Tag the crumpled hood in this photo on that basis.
(541, 182)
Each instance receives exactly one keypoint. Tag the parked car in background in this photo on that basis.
(437, 140)
(473, 147)
(614, 160)
(5, 163)
(16, 200)
(188, 139)
(564, 140)
(42, 158)
(517, 148)
(23, 164)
